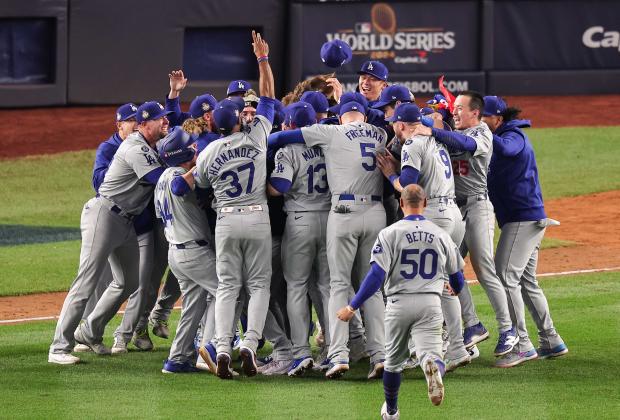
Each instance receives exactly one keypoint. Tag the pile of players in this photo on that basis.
(337, 201)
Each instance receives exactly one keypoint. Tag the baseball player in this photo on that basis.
(190, 255)
(414, 257)
(471, 149)
(356, 217)
(373, 76)
(426, 162)
(108, 232)
(391, 97)
(300, 175)
(235, 167)
(515, 193)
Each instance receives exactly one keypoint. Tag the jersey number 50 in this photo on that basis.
(423, 263)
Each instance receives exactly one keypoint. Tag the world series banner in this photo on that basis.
(407, 37)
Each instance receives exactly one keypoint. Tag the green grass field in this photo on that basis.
(583, 384)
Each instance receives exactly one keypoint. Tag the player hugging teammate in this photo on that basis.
(363, 210)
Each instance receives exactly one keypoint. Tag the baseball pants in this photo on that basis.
(195, 270)
(105, 234)
(168, 296)
(304, 246)
(416, 315)
(516, 260)
(243, 260)
(106, 279)
(479, 230)
(350, 238)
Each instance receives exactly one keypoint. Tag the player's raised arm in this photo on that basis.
(266, 85)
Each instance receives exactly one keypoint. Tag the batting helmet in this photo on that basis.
(175, 148)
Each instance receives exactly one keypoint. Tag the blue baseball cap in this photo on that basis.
(438, 98)
(126, 112)
(201, 104)
(300, 114)
(335, 53)
(493, 105)
(350, 97)
(374, 68)
(426, 111)
(391, 94)
(226, 114)
(175, 148)
(238, 86)
(352, 107)
(406, 113)
(149, 111)
(316, 99)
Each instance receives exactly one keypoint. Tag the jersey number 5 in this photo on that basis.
(368, 153)
(237, 189)
(419, 262)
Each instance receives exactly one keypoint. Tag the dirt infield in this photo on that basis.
(51, 130)
(586, 220)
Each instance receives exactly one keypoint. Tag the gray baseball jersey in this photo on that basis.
(470, 171)
(122, 183)
(345, 144)
(182, 217)
(236, 166)
(305, 168)
(432, 160)
(416, 255)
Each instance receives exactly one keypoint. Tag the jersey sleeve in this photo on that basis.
(411, 154)
(484, 140)
(381, 253)
(454, 261)
(318, 135)
(284, 166)
(258, 131)
(200, 173)
(143, 160)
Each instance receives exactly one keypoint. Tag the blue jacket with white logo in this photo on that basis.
(513, 183)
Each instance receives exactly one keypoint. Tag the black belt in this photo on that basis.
(116, 209)
(352, 197)
(479, 197)
(186, 244)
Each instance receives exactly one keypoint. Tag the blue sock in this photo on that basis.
(391, 385)
(441, 366)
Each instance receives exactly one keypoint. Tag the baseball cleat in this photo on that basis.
(376, 370)
(557, 351)
(474, 353)
(209, 355)
(300, 366)
(453, 364)
(236, 341)
(119, 346)
(279, 367)
(507, 340)
(434, 381)
(474, 335)
(411, 363)
(142, 341)
(248, 361)
(174, 367)
(262, 361)
(223, 370)
(321, 362)
(62, 359)
(160, 328)
(81, 348)
(515, 358)
(98, 348)
(336, 369)
(387, 416)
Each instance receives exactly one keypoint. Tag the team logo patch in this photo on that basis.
(370, 66)
(145, 148)
(206, 107)
(280, 155)
(378, 249)
(133, 108)
(145, 115)
(408, 142)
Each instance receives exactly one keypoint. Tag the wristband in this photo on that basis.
(393, 178)
(262, 58)
(350, 308)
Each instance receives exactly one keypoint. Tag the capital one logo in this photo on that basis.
(598, 37)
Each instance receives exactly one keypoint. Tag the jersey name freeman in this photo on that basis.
(361, 132)
(240, 152)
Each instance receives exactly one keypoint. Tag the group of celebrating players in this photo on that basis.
(363, 210)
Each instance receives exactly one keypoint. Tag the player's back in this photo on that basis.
(309, 188)
(418, 256)
(350, 151)
(432, 160)
(470, 170)
(182, 217)
(235, 166)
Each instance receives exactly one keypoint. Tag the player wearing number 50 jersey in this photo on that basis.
(356, 217)
(471, 148)
(235, 166)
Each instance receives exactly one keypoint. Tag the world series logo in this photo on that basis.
(382, 39)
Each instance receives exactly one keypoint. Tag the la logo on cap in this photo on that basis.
(370, 66)
(160, 106)
(205, 107)
(145, 115)
(241, 85)
(133, 108)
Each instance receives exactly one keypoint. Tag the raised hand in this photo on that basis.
(261, 48)
(336, 87)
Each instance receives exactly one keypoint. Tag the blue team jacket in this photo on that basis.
(513, 183)
(103, 159)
